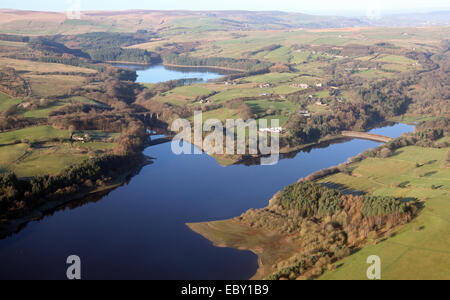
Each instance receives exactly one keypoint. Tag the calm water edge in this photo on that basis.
(160, 73)
(138, 230)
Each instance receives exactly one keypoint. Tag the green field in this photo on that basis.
(396, 59)
(420, 249)
(280, 110)
(272, 78)
(238, 93)
(43, 112)
(10, 154)
(49, 157)
(33, 135)
(82, 100)
(189, 91)
(47, 86)
(7, 101)
(260, 107)
(221, 114)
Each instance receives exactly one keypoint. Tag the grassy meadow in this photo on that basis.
(6, 101)
(420, 249)
(44, 150)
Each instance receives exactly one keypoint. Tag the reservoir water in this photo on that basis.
(138, 230)
(160, 73)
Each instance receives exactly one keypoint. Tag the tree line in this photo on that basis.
(325, 225)
(18, 197)
(222, 62)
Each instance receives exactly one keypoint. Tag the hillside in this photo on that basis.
(180, 22)
(28, 22)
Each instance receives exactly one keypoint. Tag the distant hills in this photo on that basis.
(31, 22)
(438, 18)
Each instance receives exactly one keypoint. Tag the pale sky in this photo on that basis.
(338, 7)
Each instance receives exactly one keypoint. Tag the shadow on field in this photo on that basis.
(343, 189)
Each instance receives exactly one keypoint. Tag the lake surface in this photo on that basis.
(160, 73)
(138, 231)
(394, 130)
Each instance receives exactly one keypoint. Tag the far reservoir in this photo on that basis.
(161, 73)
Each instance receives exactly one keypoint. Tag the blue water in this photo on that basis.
(394, 131)
(138, 231)
(160, 73)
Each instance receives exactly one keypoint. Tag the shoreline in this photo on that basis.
(228, 160)
(128, 63)
(231, 233)
(13, 226)
(235, 71)
(204, 67)
(264, 244)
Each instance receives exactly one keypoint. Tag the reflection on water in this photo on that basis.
(138, 230)
(393, 130)
(160, 73)
(256, 161)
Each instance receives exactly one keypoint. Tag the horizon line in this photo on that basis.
(316, 13)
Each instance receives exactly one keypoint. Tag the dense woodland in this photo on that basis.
(328, 225)
(221, 62)
(345, 116)
(86, 49)
(104, 46)
(19, 197)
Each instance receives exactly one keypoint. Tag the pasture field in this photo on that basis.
(238, 93)
(6, 101)
(221, 114)
(396, 59)
(35, 134)
(33, 66)
(413, 119)
(190, 91)
(48, 157)
(261, 106)
(95, 146)
(27, 161)
(82, 100)
(187, 94)
(9, 154)
(420, 249)
(272, 78)
(172, 100)
(46, 86)
(43, 113)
